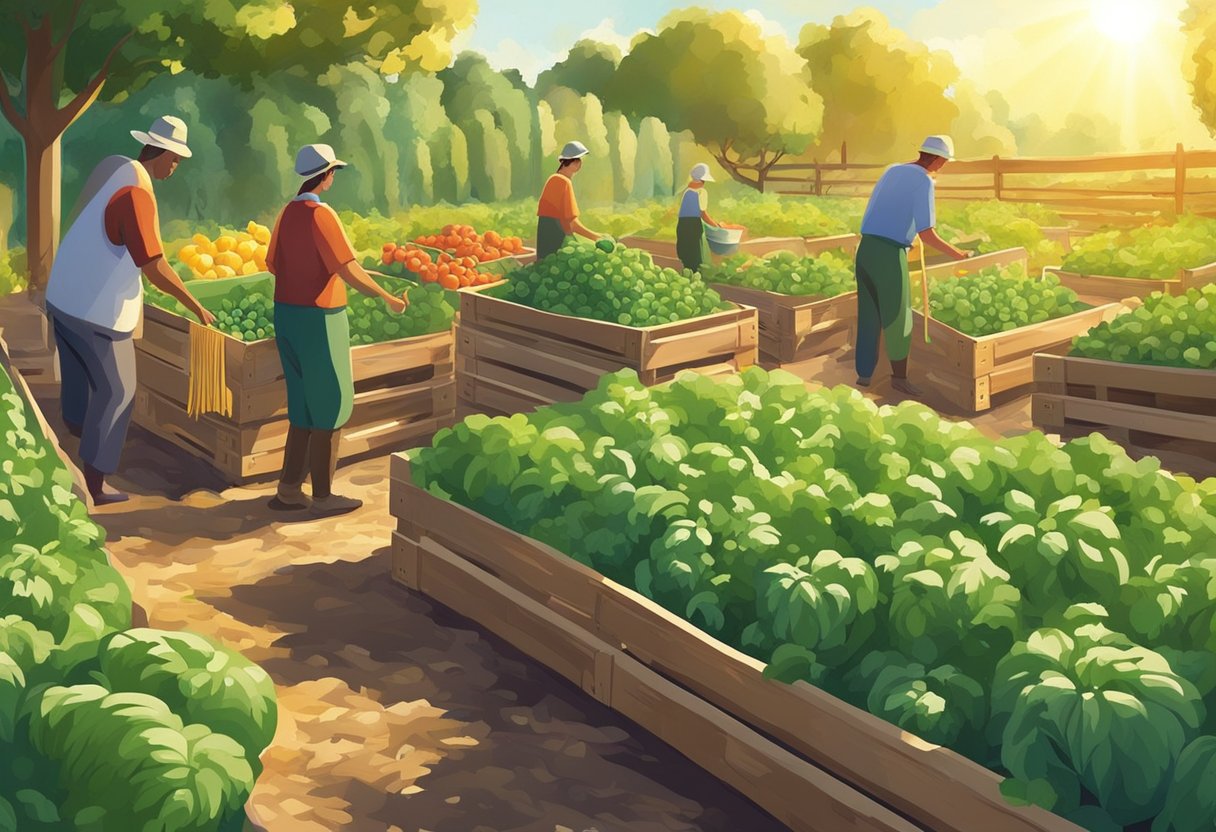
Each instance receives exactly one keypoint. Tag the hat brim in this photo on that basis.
(709, 177)
(336, 164)
(163, 143)
(575, 156)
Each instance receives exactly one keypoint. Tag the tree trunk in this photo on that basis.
(43, 208)
(736, 174)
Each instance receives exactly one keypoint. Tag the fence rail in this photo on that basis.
(1170, 182)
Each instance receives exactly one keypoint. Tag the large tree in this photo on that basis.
(882, 91)
(587, 68)
(739, 93)
(1199, 23)
(58, 57)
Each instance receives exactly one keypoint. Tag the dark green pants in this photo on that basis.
(690, 237)
(314, 346)
(550, 236)
(884, 302)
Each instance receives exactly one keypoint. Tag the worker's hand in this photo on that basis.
(964, 255)
(397, 303)
(204, 317)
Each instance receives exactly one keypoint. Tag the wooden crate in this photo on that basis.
(1095, 288)
(845, 242)
(512, 358)
(969, 372)
(1169, 412)
(796, 328)
(813, 761)
(404, 390)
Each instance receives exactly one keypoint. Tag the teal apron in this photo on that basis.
(314, 347)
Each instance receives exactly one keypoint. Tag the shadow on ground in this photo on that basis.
(541, 754)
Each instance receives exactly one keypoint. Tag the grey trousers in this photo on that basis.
(97, 394)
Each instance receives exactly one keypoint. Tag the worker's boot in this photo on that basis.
(323, 460)
(899, 379)
(291, 496)
(102, 494)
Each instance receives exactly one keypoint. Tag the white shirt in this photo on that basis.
(92, 279)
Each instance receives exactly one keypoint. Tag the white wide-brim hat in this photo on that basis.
(574, 150)
(700, 173)
(939, 146)
(316, 159)
(167, 133)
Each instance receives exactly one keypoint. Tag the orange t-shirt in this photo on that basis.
(306, 250)
(130, 219)
(557, 199)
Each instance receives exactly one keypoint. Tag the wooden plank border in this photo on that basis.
(935, 787)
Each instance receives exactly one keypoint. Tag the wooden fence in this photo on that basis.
(1083, 187)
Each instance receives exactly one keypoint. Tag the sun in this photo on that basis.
(1127, 22)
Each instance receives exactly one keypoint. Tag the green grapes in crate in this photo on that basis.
(825, 275)
(1166, 330)
(607, 282)
(431, 309)
(999, 299)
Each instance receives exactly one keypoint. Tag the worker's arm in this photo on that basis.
(705, 217)
(931, 237)
(161, 276)
(356, 276)
(577, 227)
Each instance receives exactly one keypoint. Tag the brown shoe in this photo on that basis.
(102, 493)
(333, 505)
(906, 387)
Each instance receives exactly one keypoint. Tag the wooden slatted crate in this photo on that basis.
(404, 390)
(1096, 288)
(1169, 412)
(813, 761)
(512, 358)
(970, 372)
(793, 328)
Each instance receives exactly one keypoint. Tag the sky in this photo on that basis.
(1052, 57)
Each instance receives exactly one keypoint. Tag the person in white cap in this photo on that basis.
(557, 213)
(694, 214)
(312, 261)
(94, 296)
(901, 208)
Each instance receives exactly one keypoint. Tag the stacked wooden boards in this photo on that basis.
(812, 761)
(512, 358)
(969, 371)
(1169, 412)
(404, 390)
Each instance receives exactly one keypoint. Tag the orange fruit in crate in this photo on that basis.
(449, 281)
(386, 257)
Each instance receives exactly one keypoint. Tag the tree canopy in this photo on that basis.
(1199, 24)
(716, 75)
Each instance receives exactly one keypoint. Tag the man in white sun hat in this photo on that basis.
(694, 214)
(557, 213)
(312, 262)
(901, 209)
(94, 296)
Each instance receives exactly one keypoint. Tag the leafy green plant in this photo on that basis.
(825, 275)
(999, 299)
(1149, 252)
(1166, 330)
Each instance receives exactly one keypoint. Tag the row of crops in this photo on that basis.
(1046, 611)
(105, 727)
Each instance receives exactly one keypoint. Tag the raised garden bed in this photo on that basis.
(512, 358)
(404, 390)
(970, 372)
(1169, 412)
(1104, 288)
(811, 760)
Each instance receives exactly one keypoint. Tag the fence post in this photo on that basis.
(998, 179)
(1179, 180)
(818, 180)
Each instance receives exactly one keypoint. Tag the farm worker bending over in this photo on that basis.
(94, 296)
(557, 214)
(310, 258)
(694, 213)
(900, 209)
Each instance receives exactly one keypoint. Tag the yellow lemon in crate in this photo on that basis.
(242, 236)
(250, 268)
(225, 271)
(202, 262)
(210, 274)
(201, 240)
(230, 259)
(262, 234)
(225, 242)
(247, 248)
(186, 253)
